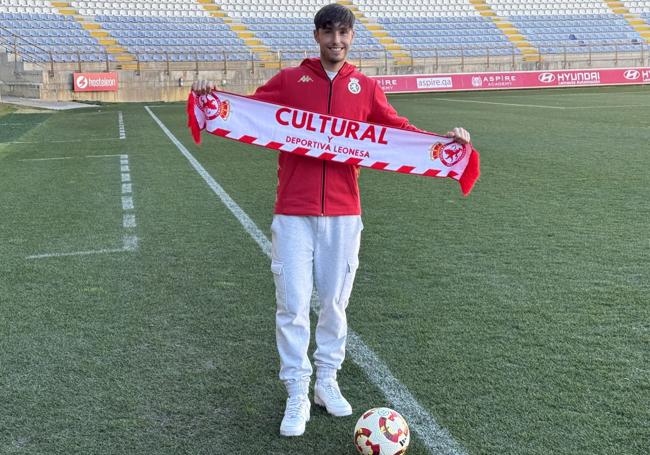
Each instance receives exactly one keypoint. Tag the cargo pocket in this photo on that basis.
(348, 281)
(280, 285)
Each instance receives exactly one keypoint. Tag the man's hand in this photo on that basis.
(203, 87)
(459, 135)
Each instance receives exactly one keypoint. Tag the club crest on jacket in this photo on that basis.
(354, 86)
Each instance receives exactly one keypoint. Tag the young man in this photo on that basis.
(316, 229)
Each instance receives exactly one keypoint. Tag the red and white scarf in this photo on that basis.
(330, 138)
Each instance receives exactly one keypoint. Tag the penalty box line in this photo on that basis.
(129, 239)
(436, 438)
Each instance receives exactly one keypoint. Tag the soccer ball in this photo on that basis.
(381, 431)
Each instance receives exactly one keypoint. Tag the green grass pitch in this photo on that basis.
(518, 317)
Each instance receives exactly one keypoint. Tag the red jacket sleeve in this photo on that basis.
(271, 91)
(384, 114)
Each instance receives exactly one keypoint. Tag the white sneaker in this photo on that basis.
(296, 415)
(328, 394)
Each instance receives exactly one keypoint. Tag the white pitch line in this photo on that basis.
(609, 107)
(125, 168)
(86, 114)
(433, 436)
(128, 221)
(73, 157)
(77, 253)
(63, 142)
(127, 203)
(49, 159)
(126, 177)
(120, 124)
(243, 218)
(100, 156)
(129, 241)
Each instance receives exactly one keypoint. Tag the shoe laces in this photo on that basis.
(295, 406)
(332, 389)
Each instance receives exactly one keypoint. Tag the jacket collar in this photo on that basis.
(315, 65)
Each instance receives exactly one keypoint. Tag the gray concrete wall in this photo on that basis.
(163, 82)
(151, 85)
(18, 81)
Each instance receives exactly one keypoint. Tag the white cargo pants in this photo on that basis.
(308, 250)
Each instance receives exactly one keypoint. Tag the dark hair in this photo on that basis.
(334, 14)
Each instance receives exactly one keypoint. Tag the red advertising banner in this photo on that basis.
(513, 80)
(95, 82)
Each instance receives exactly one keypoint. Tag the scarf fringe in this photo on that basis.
(471, 174)
(192, 122)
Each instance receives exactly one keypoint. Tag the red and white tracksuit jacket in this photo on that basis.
(311, 187)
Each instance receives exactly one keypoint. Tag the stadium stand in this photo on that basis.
(172, 30)
(178, 38)
(444, 28)
(36, 30)
(641, 7)
(285, 26)
(263, 30)
(555, 26)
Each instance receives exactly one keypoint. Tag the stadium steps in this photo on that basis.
(528, 51)
(125, 60)
(265, 53)
(635, 21)
(401, 55)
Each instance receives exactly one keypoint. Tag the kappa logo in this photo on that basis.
(354, 86)
(546, 78)
(449, 154)
(632, 75)
(305, 78)
(213, 107)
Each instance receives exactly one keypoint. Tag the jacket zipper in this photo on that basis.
(329, 105)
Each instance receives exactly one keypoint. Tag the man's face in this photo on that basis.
(335, 42)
